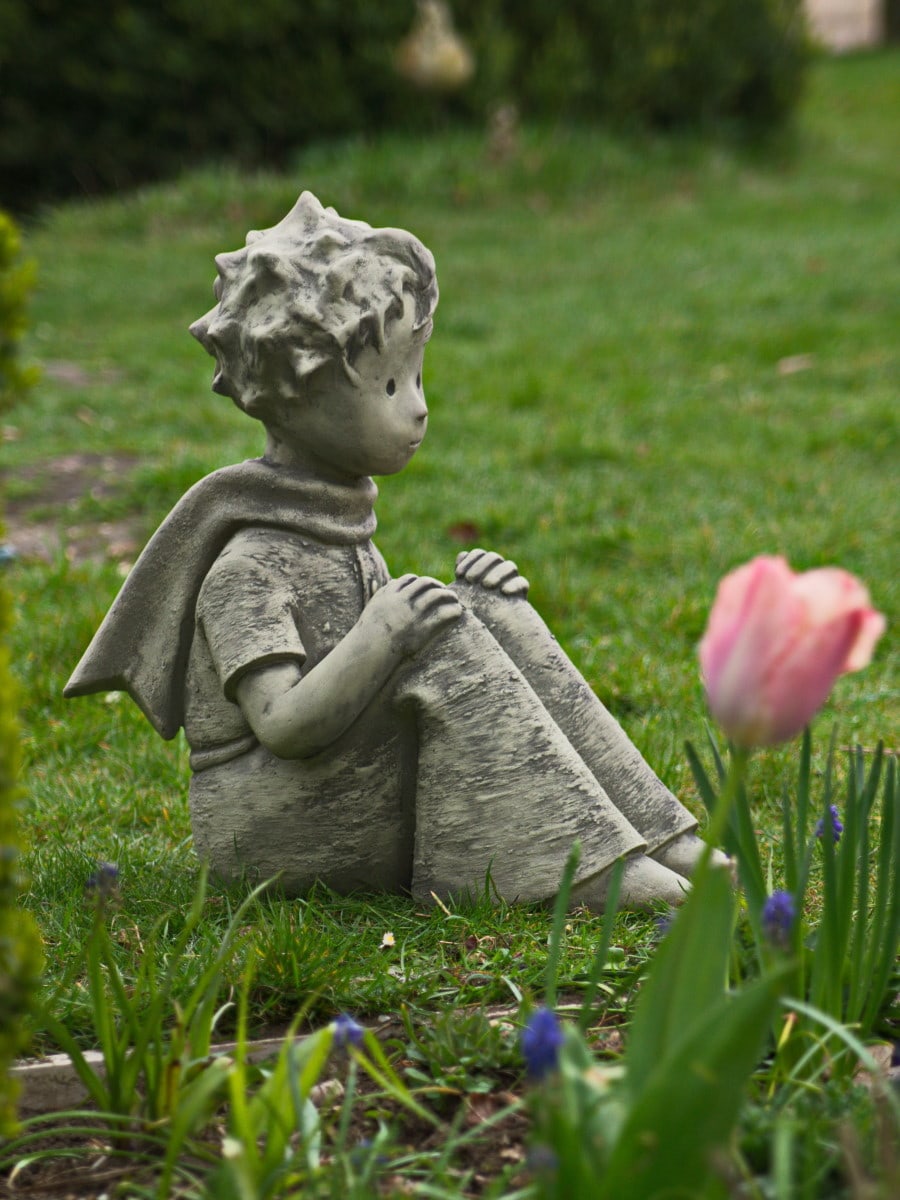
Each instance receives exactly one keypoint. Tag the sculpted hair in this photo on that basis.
(313, 289)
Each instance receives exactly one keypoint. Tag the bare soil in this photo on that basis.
(41, 524)
(91, 1165)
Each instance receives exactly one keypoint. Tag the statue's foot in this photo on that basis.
(683, 854)
(645, 884)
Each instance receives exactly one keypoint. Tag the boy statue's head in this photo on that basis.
(314, 290)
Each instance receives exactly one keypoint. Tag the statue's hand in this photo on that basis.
(492, 571)
(408, 612)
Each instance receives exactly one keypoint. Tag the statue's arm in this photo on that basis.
(296, 716)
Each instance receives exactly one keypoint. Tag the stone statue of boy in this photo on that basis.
(344, 726)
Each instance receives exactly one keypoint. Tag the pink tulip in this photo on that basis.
(776, 642)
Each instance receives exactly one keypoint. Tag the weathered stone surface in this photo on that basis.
(344, 726)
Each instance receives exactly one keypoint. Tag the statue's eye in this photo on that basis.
(390, 387)
(419, 380)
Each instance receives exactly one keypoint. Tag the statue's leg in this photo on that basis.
(664, 823)
(500, 789)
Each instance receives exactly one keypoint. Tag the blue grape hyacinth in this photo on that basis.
(834, 824)
(347, 1032)
(541, 1042)
(102, 885)
(778, 916)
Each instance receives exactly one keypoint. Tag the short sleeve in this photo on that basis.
(248, 616)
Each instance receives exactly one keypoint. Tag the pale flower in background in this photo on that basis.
(775, 643)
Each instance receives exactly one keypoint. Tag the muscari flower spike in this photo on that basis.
(541, 1159)
(834, 824)
(778, 916)
(347, 1032)
(104, 880)
(541, 1041)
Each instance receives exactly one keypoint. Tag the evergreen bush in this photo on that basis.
(19, 943)
(107, 93)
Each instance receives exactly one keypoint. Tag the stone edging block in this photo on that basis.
(52, 1084)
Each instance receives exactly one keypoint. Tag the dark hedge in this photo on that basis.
(106, 93)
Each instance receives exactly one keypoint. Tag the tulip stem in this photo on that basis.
(721, 814)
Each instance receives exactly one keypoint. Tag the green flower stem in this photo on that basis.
(722, 809)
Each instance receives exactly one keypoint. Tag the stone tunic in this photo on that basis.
(297, 598)
(485, 752)
(454, 771)
(343, 816)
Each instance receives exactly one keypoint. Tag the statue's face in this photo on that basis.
(371, 424)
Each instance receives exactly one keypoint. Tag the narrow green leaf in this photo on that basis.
(707, 792)
(885, 921)
(687, 977)
(828, 960)
(377, 1067)
(804, 773)
(749, 863)
(721, 769)
(783, 1158)
(856, 830)
(557, 934)
(689, 1104)
(849, 1038)
(94, 1083)
(599, 961)
(790, 843)
(195, 1103)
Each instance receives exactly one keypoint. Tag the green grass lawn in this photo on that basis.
(652, 360)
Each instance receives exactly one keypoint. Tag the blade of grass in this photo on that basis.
(598, 964)
(557, 932)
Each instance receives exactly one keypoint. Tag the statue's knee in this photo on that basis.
(464, 656)
(469, 636)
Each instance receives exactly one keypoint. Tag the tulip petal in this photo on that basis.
(752, 623)
(776, 642)
(873, 626)
(799, 683)
(830, 592)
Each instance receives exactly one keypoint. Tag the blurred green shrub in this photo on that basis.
(19, 944)
(107, 93)
(16, 281)
(661, 63)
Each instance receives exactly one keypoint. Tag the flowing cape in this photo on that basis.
(143, 644)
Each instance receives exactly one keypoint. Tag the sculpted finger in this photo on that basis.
(441, 609)
(444, 617)
(515, 587)
(500, 573)
(404, 581)
(477, 571)
(466, 559)
(424, 588)
(433, 597)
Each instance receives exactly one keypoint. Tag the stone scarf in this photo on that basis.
(143, 644)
